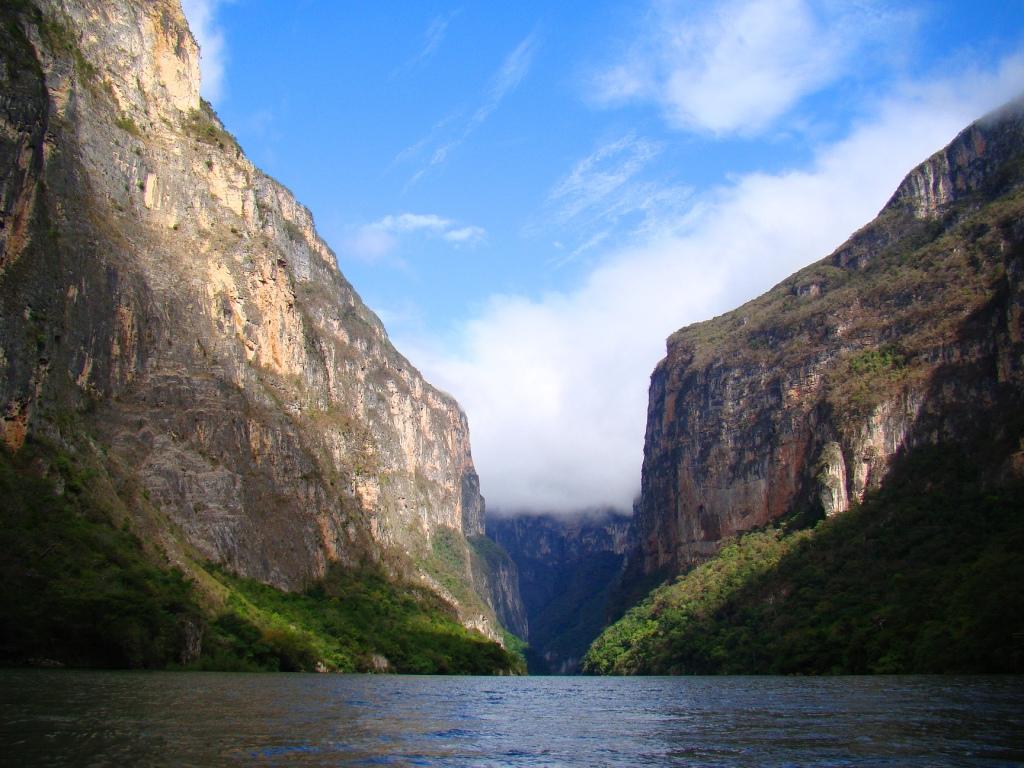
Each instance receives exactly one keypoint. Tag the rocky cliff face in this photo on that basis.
(568, 568)
(909, 334)
(170, 312)
(495, 569)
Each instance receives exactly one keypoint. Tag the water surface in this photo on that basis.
(56, 718)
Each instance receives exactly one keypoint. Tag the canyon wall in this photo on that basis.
(793, 405)
(569, 568)
(170, 316)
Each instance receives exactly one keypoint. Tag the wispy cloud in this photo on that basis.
(201, 15)
(507, 79)
(603, 197)
(602, 173)
(439, 129)
(735, 67)
(452, 132)
(380, 239)
(556, 386)
(586, 246)
(432, 39)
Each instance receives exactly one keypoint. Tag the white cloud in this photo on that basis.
(735, 67)
(380, 239)
(465, 235)
(410, 222)
(556, 387)
(212, 49)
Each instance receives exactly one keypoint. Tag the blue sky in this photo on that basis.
(534, 195)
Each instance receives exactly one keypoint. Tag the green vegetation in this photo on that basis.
(915, 280)
(80, 591)
(489, 552)
(76, 589)
(518, 647)
(62, 41)
(869, 377)
(569, 582)
(293, 231)
(648, 637)
(348, 622)
(574, 612)
(876, 362)
(448, 562)
(128, 125)
(449, 549)
(924, 576)
(204, 126)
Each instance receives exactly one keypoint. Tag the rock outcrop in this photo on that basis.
(169, 310)
(795, 403)
(568, 570)
(496, 569)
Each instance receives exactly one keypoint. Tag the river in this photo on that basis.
(126, 719)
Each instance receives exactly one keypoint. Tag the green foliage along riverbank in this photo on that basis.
(347, 622)
(82, 592)
(925, 576)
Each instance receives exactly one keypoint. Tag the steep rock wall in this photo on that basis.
(168, 305)
(795, 403)
(568, 571)
(495, 568)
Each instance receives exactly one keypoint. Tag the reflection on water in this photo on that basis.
(203, 719)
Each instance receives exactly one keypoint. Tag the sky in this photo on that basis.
(533, 196)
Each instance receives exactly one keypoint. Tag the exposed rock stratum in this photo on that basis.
(796, 403)
(169, 314)
(569, 567)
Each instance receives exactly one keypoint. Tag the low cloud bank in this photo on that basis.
(556, 387)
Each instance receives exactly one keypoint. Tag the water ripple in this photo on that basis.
(57, 718)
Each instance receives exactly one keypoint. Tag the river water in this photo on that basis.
(126, 719)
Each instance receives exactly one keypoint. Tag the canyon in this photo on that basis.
(208, 437)
(832, 472)
(797, 402)
(172, 325)
(569, 570)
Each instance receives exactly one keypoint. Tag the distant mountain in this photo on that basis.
(880, 391)
(180, 353)
(569, 567)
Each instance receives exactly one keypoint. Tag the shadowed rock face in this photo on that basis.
(795, 403)
(171, 309)
(568, 571)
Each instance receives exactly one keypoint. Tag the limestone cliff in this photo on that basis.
(909, 334)
(170, 313)
(568, 570)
